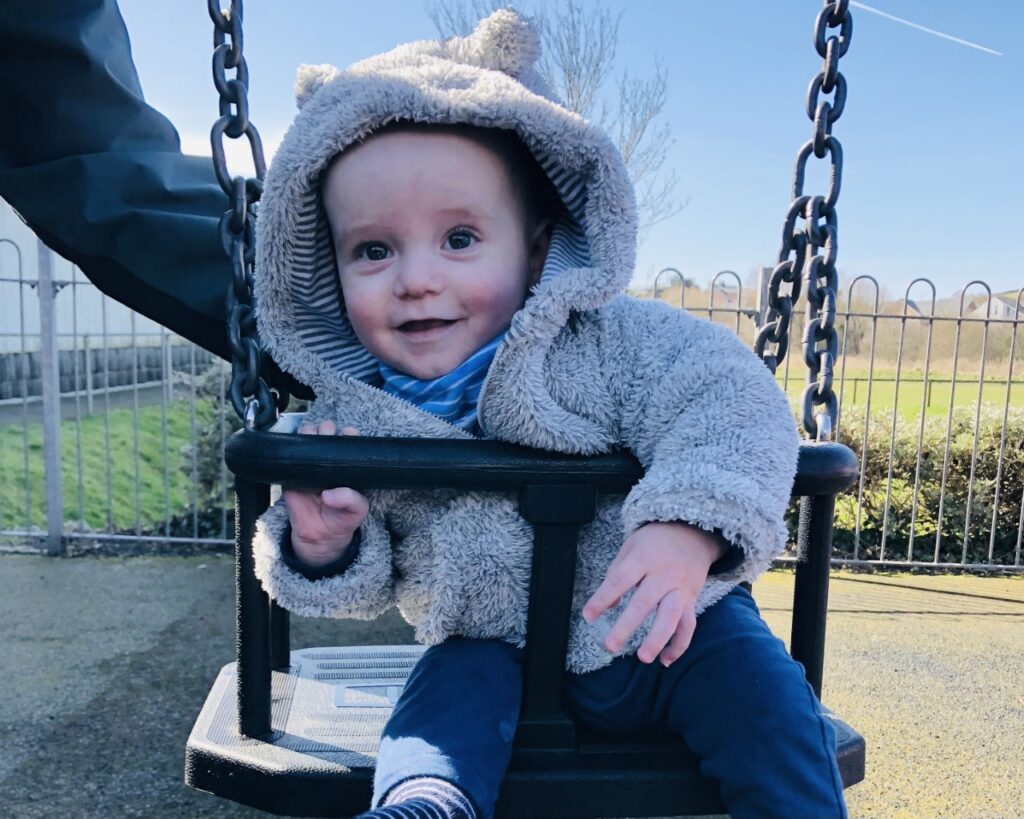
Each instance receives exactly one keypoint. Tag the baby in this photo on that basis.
(441, 251)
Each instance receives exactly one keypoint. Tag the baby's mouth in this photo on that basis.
(421, 325)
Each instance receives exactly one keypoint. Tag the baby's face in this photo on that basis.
(432, 247)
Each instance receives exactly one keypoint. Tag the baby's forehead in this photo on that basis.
(417, 172)
(471, 152)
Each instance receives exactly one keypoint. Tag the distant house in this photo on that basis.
(1004, 306)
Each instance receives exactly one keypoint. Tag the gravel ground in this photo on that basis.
(929, 670)
(106, 663)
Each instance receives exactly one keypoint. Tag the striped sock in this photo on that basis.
(424, 797)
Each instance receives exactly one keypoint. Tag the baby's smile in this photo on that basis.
(420, 325)
(425, 329)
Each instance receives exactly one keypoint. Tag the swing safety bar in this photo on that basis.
(642, 776)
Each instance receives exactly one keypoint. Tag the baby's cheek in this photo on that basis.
(365, 320)
(499, 302)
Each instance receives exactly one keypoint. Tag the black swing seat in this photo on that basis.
(296, 732)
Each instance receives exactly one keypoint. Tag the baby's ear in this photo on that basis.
(505, 41)
(310, 78)
(540, 241)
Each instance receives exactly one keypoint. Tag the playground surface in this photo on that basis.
(107, 661)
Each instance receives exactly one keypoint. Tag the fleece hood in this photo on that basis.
(487, 79)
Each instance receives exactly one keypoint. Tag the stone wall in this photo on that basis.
(21, 373)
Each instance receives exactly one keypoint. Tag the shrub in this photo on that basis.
(215, 423)
(889, 498)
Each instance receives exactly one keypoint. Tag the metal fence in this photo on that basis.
(931, 398)
(102, 414)
(112, 429)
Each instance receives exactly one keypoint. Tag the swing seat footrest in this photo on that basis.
(327, 712)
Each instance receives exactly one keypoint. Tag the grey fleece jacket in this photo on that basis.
(583, 368)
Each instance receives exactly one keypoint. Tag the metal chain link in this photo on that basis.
(808, 252)
(254, 401)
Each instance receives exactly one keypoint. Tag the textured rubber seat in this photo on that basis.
(329, 708)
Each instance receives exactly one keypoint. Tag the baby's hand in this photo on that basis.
(323, 522)
(666, 564)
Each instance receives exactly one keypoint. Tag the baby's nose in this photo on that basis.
(418, 274)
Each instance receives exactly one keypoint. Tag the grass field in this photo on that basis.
(110, 495)
(855, 389)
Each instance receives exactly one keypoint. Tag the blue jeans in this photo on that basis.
(737, 699)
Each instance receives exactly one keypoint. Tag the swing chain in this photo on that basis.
(808, 253)
(252, 398)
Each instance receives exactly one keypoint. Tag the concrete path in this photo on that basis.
(12, 412)
(105, 663)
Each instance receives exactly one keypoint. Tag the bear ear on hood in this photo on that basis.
(310, 78)
(504, 41)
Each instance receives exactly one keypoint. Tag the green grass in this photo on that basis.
(161, 487)
(854, 393)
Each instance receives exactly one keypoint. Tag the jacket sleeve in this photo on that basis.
(99, 175)
(362, 591)
(713, 431)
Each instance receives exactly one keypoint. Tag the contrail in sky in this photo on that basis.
(924, 28)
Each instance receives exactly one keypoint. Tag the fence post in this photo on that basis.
(88, 374)
(50, 366)
(167, 365)
(763, 279)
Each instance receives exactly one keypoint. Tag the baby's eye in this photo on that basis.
(459, 239)
(371, 251)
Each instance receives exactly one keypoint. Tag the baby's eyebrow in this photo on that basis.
(461, 212)
(349, 228)
(371, 226)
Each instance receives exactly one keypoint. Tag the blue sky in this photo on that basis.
(931, 132)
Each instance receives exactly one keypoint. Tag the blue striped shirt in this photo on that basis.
(453, 396)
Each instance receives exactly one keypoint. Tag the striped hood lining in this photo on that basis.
(486, 79)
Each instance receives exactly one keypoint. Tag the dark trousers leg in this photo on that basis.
(741, 705)
(455, 720)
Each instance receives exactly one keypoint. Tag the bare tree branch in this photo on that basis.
(579, 44)
(578, 53)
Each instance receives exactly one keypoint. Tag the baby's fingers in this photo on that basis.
(620, 579)
(681, 639)
(344, 509)
(343, 498)
(647, 595)
(306, 515)
(302, 506)
(323, 428)
(670, 610)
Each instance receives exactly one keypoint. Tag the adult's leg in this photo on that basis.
(455, 720)
(741, 704)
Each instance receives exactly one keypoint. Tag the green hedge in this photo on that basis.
(931, 442)
(214, 427)
(901, 495)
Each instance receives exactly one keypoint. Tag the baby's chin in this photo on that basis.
(427, 371)
(436, 353)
